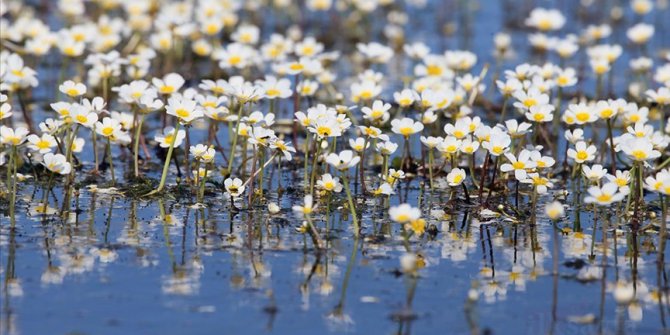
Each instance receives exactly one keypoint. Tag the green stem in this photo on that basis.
(201, 192)
(314, 162)
(306, 161)
(612, 154)
(111, 159)
(430, 168)
(12, 167)
(260, 174)
(94, 139)
(166, 166)
(345, 178)
(235, 135)
(136, 146)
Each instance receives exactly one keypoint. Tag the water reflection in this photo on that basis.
(251, 252)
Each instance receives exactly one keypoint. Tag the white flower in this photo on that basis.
(276, 88)
(378, 112)
(375, 52)
(404, 213)
(168, 136)
(545, 19)
(344, 160)
(405, 97)
(540, 113)
(359, 144)
(283, 147)
(108, 127)
(581, 153)
(660, 96)
(170, 84)
(640, 33)
(234, 187)
(56, 163)
(184, 109)
(519, 165)
(83, 116)
(594, 173)
(306, 209)
(574, 136)
(516, 129)
(497, 144)
(386, 148)
(383, 189)
(456, 176)
(604, 195)
(531, 97)
(42, 144)
(328, 183)
(72, 89)
(203, 153)
(554, 210)
(406, 126)
(5, 110)
(11, 136)
(624, 292)
(431, 142)
(639, 149)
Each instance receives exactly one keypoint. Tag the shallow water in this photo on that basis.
(119, 264)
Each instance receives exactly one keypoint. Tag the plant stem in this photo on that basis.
(12, 167)
(166, 165)
(110, 159)
(345, 178)
(430, 167)
(201, 192)
(94, 139)
(612, 154)
(136, 146)
(314, 162)
(235, 135)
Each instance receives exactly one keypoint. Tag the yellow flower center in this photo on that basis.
(366, 95)
(434, 70)
(544, 24)
(606, 113)
(583, 116)
(167, 89)
(42, 144)
(402, 217)
(406, 131)
(639, 154)
(182, 112)
(582, 155)
(518, 165)
(529, 102)
(323, 131)
(604, 197)
(234, 60)
(272, 92)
